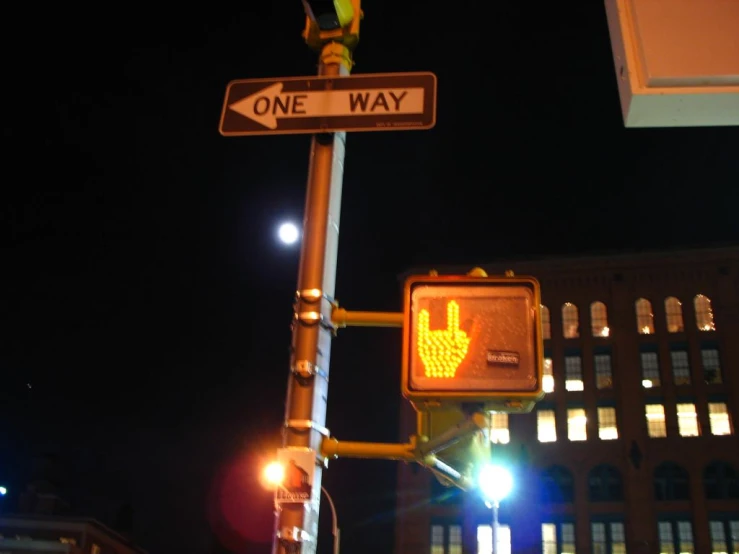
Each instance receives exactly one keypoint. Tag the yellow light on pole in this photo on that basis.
(274, 474)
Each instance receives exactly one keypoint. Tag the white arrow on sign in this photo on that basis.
(270, 104)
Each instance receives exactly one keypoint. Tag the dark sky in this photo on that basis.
(144, 296)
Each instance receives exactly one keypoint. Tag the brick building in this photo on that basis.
(632, 450)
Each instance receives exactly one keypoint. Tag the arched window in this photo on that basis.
(703, 313)
(720, 481)
(570, 321)
(644, 317)
(599, 319)
(557, 485)
(604, 484)
(674, 315)
(546, 323)
(671, 482)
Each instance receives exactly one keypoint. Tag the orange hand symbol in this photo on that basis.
(444, 350)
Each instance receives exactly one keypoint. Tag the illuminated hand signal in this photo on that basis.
(444, 350)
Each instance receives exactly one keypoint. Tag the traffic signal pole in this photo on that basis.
(307, 392)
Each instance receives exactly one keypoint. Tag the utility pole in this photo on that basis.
(307, 391)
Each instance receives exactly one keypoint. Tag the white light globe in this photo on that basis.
(495, 482)
(288, 233)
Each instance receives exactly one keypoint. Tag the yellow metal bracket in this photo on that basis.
(419, 449)
(344, 318)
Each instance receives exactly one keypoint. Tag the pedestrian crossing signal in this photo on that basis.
(472, 340)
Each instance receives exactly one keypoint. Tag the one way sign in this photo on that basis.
(377, 102)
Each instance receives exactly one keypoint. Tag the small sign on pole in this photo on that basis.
(299, 465)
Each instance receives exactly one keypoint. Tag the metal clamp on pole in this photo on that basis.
(307, 369)
(309, 295)
(314, 318)
(291, 538)
(307, 425)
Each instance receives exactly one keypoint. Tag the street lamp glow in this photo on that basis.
(288, 233)
(3, 491)
(495, 482)
(274, 473)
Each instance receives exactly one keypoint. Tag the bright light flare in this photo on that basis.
(3, 491)
(288, 233)
(495, 482)
(274, 474)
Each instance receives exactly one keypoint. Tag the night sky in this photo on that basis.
(146, 303)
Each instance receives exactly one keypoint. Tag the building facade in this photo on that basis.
(633, 448)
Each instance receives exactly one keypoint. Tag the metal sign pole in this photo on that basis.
(307, 392)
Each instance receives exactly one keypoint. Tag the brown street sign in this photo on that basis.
(294, 105)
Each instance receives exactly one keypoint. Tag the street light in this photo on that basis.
(3, 491)
(274, 475)
(496, 483)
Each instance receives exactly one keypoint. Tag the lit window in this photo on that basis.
(666, 539)
(603, 371)
(570, 321)
(485, 539)
(446, 539)
(656, 420)
(547, 382)
(68, 540)
(718, 537)
(609, 538)
(650, 370)
(607, 428)
(687, 420)
(711, 365)
(549, 538)
(437, 539)
(573, 373)
(599, 319)
(546, 426)
(685, 536)
(718, 417)
(669, 531)
(720, 530)
(577, 424)
(546, 323)
(499, 432)
(455, 539)
(558, 538)
(644, 317)
(568, 538)
(703, 313)
(674, 315)
(680, 367)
